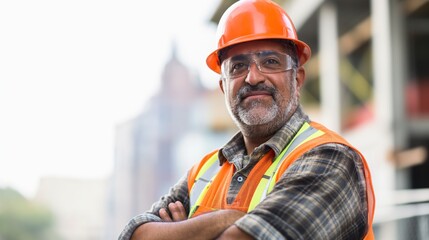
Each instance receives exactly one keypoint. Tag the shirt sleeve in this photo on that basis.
(322, 195)
(179, 192)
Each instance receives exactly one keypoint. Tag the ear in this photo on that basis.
(221, 85)
(300, 77)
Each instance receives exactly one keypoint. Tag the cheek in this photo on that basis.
(231, 90)
(284, 89)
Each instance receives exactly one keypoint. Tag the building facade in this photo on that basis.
(179, 125)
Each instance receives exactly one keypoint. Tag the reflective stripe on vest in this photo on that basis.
(202, 183)
(209, 171)
(266, 184)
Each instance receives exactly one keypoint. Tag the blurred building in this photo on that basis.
(78, 205)
(178, 126)
(368, 79)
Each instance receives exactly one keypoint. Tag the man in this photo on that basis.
(282, 176)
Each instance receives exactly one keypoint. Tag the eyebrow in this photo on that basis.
(259, 53)
(239, 57)
(267, 53)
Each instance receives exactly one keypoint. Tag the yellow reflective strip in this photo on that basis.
(304, 127)
(263, 183)
(199, 199)
(312, 136)
(192, 211)
(203, 193)
(257, 195)
(205, 167)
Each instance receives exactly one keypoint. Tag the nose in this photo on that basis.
(254, 76)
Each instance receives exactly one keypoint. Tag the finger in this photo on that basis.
(163, 214)
(177, 210)
(182, 211)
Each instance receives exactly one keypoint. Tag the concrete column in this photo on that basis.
(383, 79)
(329, 67)
(382, 60)
(383, 172)
(400, 127)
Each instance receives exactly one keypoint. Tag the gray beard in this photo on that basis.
(250, 119)
(273, 111)
(268, 123)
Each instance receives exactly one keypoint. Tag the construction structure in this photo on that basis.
(368, 79)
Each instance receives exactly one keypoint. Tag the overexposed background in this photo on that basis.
(70, 71)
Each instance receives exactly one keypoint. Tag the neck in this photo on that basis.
(256, 135)
(252, 142)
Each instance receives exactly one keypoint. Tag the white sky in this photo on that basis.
(70, 71)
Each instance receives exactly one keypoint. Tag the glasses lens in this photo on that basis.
(266, 61)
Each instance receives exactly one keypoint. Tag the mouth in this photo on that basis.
(255, 95)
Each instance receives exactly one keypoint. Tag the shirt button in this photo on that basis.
(240, 179)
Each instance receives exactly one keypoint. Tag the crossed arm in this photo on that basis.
(324, 192)
(214, 225)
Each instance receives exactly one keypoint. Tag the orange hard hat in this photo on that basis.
(248, 20)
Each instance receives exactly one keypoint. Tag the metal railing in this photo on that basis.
(405, 216)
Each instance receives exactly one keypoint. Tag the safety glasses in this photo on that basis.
(266, 62)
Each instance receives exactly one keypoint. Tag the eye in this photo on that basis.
(238, 67)
(271, 62)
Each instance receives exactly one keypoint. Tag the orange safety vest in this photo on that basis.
(208, 182)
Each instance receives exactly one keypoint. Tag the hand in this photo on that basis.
(178, 212)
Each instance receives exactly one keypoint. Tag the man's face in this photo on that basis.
(260, 101)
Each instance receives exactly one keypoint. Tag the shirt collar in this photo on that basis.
(277, 142)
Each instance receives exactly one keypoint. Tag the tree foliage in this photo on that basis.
(21, 219)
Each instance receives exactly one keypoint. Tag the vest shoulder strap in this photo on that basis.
(332, 137)
(202, 182)
(267, 182)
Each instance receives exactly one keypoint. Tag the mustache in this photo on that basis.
(247, 89)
